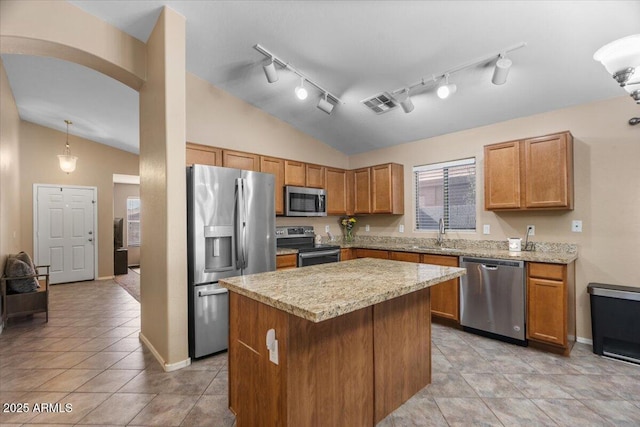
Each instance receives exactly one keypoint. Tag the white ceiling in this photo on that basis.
(355, 49)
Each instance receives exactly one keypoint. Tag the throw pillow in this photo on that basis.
(17, 268)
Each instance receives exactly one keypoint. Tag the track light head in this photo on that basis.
(325, 105)
(501, 71)
(447, 89)
(271, 72)
(404, 100)
(301, 92)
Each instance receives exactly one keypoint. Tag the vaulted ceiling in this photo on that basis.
(354, 49)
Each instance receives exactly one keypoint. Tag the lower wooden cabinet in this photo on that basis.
(445, 296)
(346, 254)
(551, 305)
(286, 261)
(372, 253)
(404, 256)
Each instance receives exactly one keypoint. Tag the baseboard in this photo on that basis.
(105, 278)
(1, 327)
(168, 367)
(583, 340)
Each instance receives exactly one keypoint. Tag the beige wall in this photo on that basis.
(120, 194)
(39, 147)
(10, 221)
(607, 195)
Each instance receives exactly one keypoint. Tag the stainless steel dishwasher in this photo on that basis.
(492, 298)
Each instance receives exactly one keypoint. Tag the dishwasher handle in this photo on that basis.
(212, 292)
(490, 267)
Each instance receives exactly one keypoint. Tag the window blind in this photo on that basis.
(133, 221)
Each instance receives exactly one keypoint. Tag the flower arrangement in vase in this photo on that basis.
(348, 223)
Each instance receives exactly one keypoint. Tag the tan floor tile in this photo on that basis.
(102, 360)
(165, 410)
(466, 411)
(219, 385)
(125, 344)
(208, 408)
(96, 344)
(69, 380)
(32, 402)
(64, 360)
(569, 412)
(110, 380)
(119, 409)
(179, 382)
(80, 404)
(518, 412)
(27, 379)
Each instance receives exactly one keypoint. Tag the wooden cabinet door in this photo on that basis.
(548, 168)
(275, 166)
(387, 191)
(286, 261)
(203, 155)
(546, 316)
(240, 160)
(362, 191)
(404, 256)
(372, 253)
(346, 254)
(314, 176)
(336, 186)
(294, 173)
(502, 176)
(445, 296)
(350, 190)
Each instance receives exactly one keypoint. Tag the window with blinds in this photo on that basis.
(446, 190)
(133, 221)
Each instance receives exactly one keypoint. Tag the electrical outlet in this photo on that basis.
(366, 227)
(326, 229)
(401, 228)
(486, 229)
(576, 226)
(531, 230)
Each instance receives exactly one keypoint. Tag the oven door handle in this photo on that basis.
(317, 254)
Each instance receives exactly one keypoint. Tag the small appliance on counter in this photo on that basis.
(302, 238)
(230, 231)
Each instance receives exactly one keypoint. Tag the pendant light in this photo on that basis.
(67, 161)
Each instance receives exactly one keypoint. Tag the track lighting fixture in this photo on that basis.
(271, 72)
(326, 103)
(301, 92)
(501, 71)
(445, 89)
(621, 58)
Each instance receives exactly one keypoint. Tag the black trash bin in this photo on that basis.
(615, 321)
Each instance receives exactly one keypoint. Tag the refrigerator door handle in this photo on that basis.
(242, 224)
(214, 292)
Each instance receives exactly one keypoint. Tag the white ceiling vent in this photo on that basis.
(380, 103)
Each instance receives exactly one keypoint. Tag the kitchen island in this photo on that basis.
(353, 341)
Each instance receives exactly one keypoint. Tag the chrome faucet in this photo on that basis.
(441, 232)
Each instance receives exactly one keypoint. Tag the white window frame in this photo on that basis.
(442, 166)
(130, 221)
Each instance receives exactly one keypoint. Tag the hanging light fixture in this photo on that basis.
(325, 105)
(301, 92)
(621, 58)
(447, 88)
(501, 71)
(404, 100)
(67, 161)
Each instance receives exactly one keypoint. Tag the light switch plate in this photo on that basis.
(326, 228)
(401, 228)
(366, 227)
(486, 229)
(533, 230)
(576, 226)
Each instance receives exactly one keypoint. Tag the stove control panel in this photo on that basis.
(296, 231)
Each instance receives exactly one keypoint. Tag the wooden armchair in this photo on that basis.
(14, 305)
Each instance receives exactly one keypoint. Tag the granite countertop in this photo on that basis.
(476, 248)
(325, 291)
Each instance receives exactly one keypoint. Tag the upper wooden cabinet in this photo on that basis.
(351, 199)
(294, 173)
(315, 176)
(276, 167)
(362, 191)
(535, 173)
(240, 160)
(203, 155)
(336, 186)
(387, 189)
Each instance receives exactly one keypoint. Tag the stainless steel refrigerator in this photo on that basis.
(231, 232)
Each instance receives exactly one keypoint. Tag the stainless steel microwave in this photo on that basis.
(303, 201)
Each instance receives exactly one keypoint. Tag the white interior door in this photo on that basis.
(64, 231)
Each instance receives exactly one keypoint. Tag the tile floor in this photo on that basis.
(88, 358)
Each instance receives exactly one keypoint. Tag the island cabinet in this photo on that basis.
(337, 364)
(336, 185)
(240, 160)
(294, 173)
(203, 155)
(346, 254)
(445, 296)
(551, 306)
(530, 174)
(275, 166)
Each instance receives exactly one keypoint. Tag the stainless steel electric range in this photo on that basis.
(302, 238)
